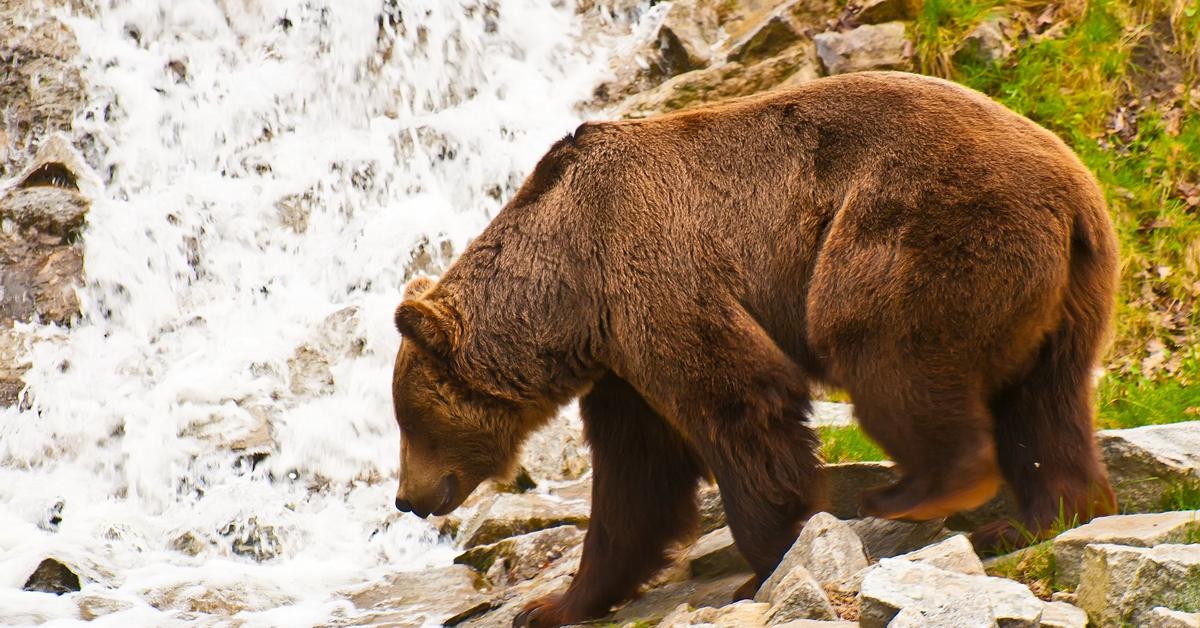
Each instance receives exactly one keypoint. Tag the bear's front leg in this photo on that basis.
(644, 478)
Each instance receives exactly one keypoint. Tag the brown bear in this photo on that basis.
(946, 261)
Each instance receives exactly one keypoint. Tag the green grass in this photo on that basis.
(1182, 496)
(1032, 566)
(848, 444)
(1076, 81)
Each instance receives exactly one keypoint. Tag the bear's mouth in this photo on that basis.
(449, 491)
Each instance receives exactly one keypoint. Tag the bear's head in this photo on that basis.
(454, 433)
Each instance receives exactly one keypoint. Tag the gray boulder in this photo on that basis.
(869, 47)
(895, 585)
(1121, 585)
(1141, 530)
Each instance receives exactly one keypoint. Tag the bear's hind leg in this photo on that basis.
(939, 433)
(644, 479)
(1047, 453)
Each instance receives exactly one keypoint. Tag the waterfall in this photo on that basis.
(270, 172)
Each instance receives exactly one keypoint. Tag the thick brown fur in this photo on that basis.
(948, 262)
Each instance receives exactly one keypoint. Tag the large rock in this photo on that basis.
(509, 515)
(1063, 615)
(770, 35)
(40, 87)
(945, 615)
(954, 554)
(1146, 464)
(880, 11)
(687, 35)
(744, 613)
(826, 547)
(1120, 586)
(869, 47)
(557, 451)
(52, 576)
(895, 585)
(1162, 617)
(717, 82)
(426, 597)
(521, 557)
(988, 42)
(885, 538)
(657, 603)
(1142, 530)
(712, 509)
(797, 595)
(715, 554)
(849, 480)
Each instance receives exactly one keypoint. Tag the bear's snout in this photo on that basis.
(438, 502)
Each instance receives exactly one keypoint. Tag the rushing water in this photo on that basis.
(270, 171)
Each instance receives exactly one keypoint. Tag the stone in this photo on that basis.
(817, 623)
(831, 414)
(1162, 617)
(686, 36)
(712, 509)
(1140, 530)
(95, 606)
(947, 615)
(797, 596)
(657, 603)
(868, 47)
(258, 541)
(988, 42)
(52, 576)
(744, 613)
(557, 451)
(1145, 464)
(715, 554)
(430, 596)
(894, 585)
(880, 11)
(885, 538)
(521, 557)
(1063, 615)
(849, 480)
(953, 554)
(14, 361)
(309, 372)
(770, 35)
(826, 547)
(1119, 585)
(508, 515)
(717, 82)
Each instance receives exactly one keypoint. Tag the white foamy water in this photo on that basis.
(264, 165)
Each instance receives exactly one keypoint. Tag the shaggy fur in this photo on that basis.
(946, 261)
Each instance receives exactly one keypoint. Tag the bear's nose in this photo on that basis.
(403, 505)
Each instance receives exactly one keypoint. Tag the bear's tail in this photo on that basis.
(1044, 420)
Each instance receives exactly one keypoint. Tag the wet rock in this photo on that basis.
(895, 585)
(339, 335)
(772, 34)
(94, 606)
(880, 11)
(310, 373)
(41, 87)
(797, 595)
(727, 80)
(188, 543)
(45, 210)
(558, 450)
(988, 42)
(1162, 617)
(251, 539)
(849, 480)
(1147, 463)
(869, 47)
(715, 554)
(429, 258)
(1120, 586)
(294, 210)
(1141, 530)
(14, 361)
(426, 597)
(744, 613)
(953, 554)
(1063, 615)
(521, 557)
(502, 606)
(51, 576)
(509, 515)
(884, 538)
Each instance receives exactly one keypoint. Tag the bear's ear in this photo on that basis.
(432, 326)
(417, 288)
